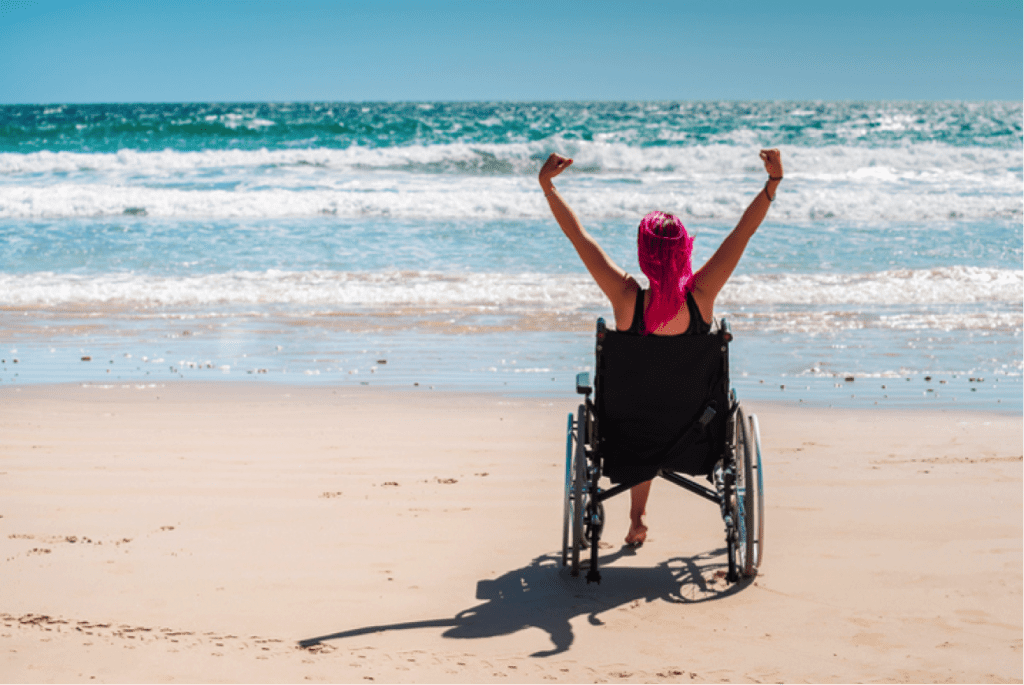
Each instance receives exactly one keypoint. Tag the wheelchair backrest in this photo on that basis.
(648, 389)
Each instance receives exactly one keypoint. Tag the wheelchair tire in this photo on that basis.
(755, 431)
(567, 495)
(579, 486)
(746, 552)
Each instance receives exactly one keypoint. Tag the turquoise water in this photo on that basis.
(307, 242)
(284, 126)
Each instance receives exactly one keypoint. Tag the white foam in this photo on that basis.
(609, 180)
(433, 198)
(833, 322)
(500, 292)
(696, 161)
(345, 289)
(948, 285)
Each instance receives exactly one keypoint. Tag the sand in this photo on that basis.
(206, 532)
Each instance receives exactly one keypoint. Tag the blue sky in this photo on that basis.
(297, 50)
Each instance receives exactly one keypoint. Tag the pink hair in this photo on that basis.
(664, 248)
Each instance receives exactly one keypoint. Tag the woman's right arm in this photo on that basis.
(616, 284)
(714, 274)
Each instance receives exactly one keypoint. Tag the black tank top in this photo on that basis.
(697, 324)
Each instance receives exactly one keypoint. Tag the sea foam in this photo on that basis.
(566, 292)
(927, 182)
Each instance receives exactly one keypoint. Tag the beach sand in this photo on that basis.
(205, 532)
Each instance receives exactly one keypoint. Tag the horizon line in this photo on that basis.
(497, 101)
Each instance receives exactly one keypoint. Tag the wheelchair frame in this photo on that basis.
(737, 477)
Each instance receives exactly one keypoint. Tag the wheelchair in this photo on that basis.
(662, 407)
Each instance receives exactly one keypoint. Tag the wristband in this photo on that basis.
(774, 178)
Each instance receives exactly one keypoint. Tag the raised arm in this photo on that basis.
(714, 274)
(611, 278)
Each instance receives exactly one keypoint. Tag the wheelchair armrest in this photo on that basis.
(583, 383)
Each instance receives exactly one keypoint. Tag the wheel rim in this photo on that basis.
(756, 430)
(579, 484)
(749, 504)
(746, 496)
(566, 504)
(742, 528)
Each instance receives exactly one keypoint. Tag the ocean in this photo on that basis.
(408, 244)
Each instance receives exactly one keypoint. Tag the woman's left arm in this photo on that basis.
(714, 274)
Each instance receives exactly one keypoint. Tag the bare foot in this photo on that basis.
(637, 534)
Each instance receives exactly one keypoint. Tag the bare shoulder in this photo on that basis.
(705, 303)
(630, 284)
(624, 305)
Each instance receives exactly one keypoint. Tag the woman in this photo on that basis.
(679, 302)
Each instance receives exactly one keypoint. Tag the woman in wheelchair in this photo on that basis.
(679, 300)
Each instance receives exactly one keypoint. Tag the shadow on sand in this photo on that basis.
(543, 595)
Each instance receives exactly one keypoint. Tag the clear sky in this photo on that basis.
(54, 51)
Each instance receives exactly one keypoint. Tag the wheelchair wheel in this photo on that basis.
(567, 495)
(573, 533)
(755, 432)
(746, 498)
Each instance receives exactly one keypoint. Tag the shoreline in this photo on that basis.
(265, 386)
(848, 368)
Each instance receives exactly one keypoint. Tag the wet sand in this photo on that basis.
(267, 533)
